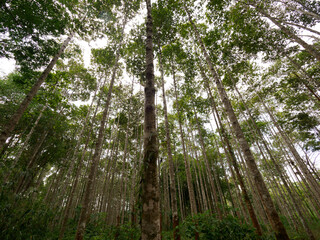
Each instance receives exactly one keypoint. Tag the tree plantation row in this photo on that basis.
(193, 119)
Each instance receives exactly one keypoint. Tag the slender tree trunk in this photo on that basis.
(290, 34)
(186, 161)
(174, 205)
(277, 225)
(200, 180)
(150, 219)
(29, 135)
(311, 92)
(5, 147)
(109, 169)
(181, 200)
(303, 27)
(96, 156)
(134, 182)
(314, 185)
(277, 167)
(106, 182)
(309, 79)
(18, 155)
(75, 184)
(31, 162)
(215, 191)
(309, 13)
(122, 194)
(33, 91)
(231, 156)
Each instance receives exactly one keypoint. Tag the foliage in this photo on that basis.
(258, 64)
(23, 218)
(209, 227)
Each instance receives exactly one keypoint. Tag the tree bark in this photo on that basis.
(314, 185)
(213, 186)
(308, 78)
(150, 219)
(67, 209)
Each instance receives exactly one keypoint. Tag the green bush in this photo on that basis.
(209, 227)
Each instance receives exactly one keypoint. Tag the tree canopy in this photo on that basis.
(187, 120)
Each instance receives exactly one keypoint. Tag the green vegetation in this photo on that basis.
(167, 119)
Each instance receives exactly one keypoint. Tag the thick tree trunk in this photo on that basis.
(33, 91)
(150, 219)
(277, 225)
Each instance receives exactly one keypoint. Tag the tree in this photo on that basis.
(150, 222)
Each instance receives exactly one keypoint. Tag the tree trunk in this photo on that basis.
(290, 34)
(31, 162)
(215, 192)
(29, 135)
(303, 27)
(96, 156)
(150, 219)
(33, 91)
(277, 167)
(314, 185)
(309, 13)
(174, 204)
(137, 166)
(231, 156)
(277, 225)
(186, 161)
(309, 79)
(67, 209)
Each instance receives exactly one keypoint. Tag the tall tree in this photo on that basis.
(277, 225)
(150, 219)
